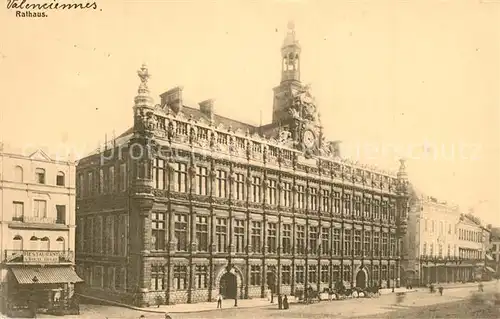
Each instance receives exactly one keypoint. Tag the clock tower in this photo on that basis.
(290, 77)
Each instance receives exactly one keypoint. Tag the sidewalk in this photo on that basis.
(197, 307)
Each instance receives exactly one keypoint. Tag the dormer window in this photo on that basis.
(40, 175)
(60, 179)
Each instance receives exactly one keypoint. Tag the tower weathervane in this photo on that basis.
(143, 74)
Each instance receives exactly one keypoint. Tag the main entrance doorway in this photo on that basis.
(361, 279)
(228, 286)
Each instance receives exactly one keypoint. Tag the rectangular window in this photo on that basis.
(80, 185)
(221, 235)
(335, 273)
(313, 240)
(181, 232)
(286, 239)
(392, 244)
(159, 176)
(384, 272)
(201, 180)
(347, 273)
(336, 202)
(102, 184)
(367, 207)
(240, 186)
(367, 243)
(111, 179)
(357, 242)
(325, 274)
(285, 275)
(90, 183)
(18, 211)
(385, 214)
(123, 177)
(357, 205)
(256, 185)
(312, 273)
(180, 277)
(40, 175)
(376, 274)
(255, 275)
(325, 201)
(347, 204)
(272, 192)
(299, 274)
(301, 235)
(239, 235)
(220, 186)
(385, 251)
(347, 241)
(301, 197)
(313, 199)
(202, 233)
(424, 249)
(287, 195)
(111, 278)
(256, 237)
(376, 209)
(336, 242)
(61, 214)
(60, 179)
(201, 277)
(40, 208)
(325, 241)
(157, 278)
(271, 238)
(181, 184)
(158, 230)
(376, 244)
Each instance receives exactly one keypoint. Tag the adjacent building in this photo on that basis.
(442, 244)
(494, 251)
(187, 204)
(37, 210)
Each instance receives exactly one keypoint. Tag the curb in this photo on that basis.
(161, 311)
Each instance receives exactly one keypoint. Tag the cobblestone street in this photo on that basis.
(352, 308)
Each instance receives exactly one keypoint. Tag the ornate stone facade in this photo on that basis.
(210, 205)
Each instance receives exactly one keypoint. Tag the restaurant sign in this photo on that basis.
(41, 256)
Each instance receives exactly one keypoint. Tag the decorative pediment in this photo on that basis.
(202, 121)
(239, 131)
(221, 127)
(40, 155)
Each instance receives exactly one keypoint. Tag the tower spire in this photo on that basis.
(290, 53)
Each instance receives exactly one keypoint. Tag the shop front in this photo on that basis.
(41, 288)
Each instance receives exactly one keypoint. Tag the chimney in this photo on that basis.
(172, 99)
(207, 108)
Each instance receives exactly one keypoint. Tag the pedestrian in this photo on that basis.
(142, 317)
(285, 302)
(280, 302)
(481, 287)
(219, 301)
(441, 290)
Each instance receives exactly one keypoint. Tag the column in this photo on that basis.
(171, 225)
(146, 229)
(192, 221)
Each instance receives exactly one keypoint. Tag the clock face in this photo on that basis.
(308, 139)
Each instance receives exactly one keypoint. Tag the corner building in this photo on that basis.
(188, 204)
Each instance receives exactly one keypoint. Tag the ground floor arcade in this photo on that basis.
(183, 280)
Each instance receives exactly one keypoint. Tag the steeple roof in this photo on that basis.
(290, 39)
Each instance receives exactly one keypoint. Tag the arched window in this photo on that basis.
(18, 243)
(40, 176)
(45, 244)
(33, 243)
(60, 179)
(18, 174)
(60, 244)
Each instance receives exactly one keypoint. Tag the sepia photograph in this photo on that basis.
(183, 159)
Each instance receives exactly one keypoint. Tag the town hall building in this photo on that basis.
(187, 204)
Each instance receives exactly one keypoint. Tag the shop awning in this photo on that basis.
(45, 275)
(490, 269)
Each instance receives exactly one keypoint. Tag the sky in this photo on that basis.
(414, 79)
